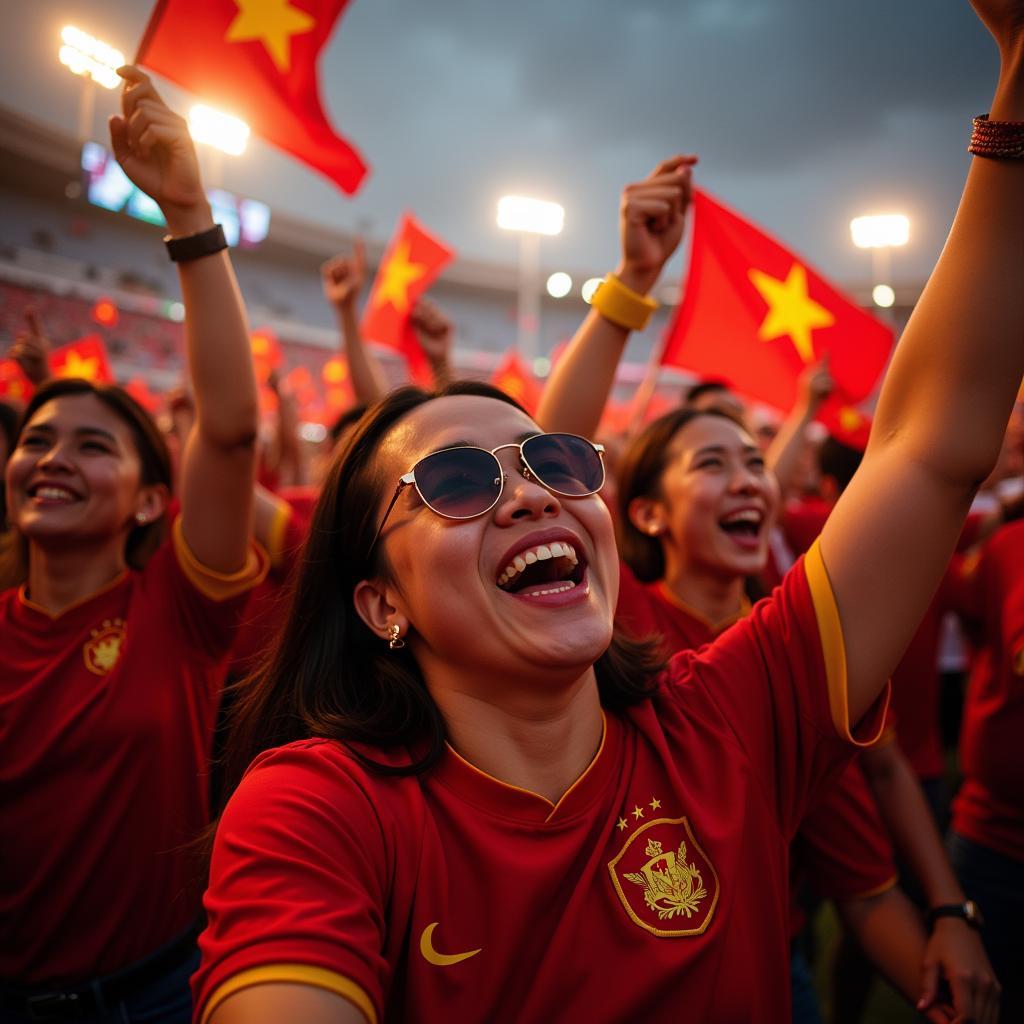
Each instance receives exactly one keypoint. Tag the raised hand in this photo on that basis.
(344, 276)
(31, 349)
(652, 216)
(816, 384)
(433, 330)
(153, 146)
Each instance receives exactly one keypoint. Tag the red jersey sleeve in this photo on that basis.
(778, 681)
(633, 611)
(298, 884)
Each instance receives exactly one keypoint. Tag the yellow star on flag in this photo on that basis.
(849, 418)
(76, 366)
(790, 310)
(273, 23)
(396, 276)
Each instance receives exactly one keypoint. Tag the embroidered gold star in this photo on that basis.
(396, 276)
(271, 22)
(622, 825)
(638, 813)
(76, 366)
(790, 310)
(655, 803)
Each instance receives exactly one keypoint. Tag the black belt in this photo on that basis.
(104, 993)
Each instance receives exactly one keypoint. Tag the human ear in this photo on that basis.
(647, 515)
(374, 607)
(151, 503)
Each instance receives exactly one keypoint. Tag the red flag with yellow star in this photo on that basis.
(85, 358)
(13, 382)
(515, 379)
(256, 59)
(409, 267)
(758, 314)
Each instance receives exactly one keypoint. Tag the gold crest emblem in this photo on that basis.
(670, 880)
(103, 647)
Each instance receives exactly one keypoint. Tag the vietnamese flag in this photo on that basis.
(266, 353)
(13, 382)
(513, 377)
(85, 358)
(338, 392)
(759, 314)
(256, 59)
(409, 267)
(138, 388)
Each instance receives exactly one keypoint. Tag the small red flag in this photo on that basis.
(266, 353)
(758, 313)
(409, 267)
(138, 388)
(515, 379)
(338, 393)
(256, 59)
(85, 358)
(13, 382)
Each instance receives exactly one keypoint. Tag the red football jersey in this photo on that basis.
(842, 847)
(106, 719)
(989, 807)
(654, 890)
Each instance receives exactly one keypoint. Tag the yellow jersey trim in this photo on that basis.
(876, 891)
(716, 627)
(219, 586)
(54, 616)
(275, 540)
(832, 646)
(293, 974)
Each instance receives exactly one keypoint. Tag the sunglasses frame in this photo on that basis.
(409, 479)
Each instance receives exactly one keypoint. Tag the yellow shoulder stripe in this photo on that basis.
(293, 974)
(218, 586)
(833, 648)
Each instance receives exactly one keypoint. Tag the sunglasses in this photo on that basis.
(466, 482)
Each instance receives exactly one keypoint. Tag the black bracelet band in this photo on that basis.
(194, 247)
(967, 911)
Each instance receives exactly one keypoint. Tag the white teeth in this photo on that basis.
(54, 493)
(747, 515)
(540, 553)
(569, 585)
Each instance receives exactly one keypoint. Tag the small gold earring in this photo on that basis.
(140, 518)
(396, 643)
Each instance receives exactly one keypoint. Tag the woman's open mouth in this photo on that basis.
(543, 570)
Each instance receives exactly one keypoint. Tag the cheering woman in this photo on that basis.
(115, 639)
(485, 807)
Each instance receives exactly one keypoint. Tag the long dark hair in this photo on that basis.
(154, 461)
(328, 675)
(640, 472)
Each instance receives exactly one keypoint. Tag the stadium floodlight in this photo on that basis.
(883, 295)
(214, 128)
(559, 284)
(83, 54)
(882, 231)
(518, 213)
(589, 287)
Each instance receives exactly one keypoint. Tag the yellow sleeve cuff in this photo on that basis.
(219, 586)
(834, 649)
(275, 541)
(293, 974)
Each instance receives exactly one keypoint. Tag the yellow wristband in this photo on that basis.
(621, 305)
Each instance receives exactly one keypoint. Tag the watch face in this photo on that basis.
(973, 912)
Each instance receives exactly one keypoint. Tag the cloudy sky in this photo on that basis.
(804, 112)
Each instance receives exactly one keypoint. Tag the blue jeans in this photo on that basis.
(805, 999)
(168, 1000)
(996, 883)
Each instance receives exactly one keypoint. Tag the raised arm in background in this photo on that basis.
(783, 455)
(651, 220)
(153, 146)
(31, 349)
(435, 333)
(943, 408)
(343, 278)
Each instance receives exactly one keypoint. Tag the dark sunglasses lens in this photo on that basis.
(460, 482)
(564, 463)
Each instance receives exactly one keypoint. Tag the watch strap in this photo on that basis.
(965, 911)
(194, 247)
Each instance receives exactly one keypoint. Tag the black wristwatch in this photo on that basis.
(968, 911)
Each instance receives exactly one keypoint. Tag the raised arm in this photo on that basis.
(651, 220)
(943, 407)
(783, 455)
(343, 278)
(435, 333)
(153, 146)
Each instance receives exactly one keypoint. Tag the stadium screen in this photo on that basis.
(245, 221)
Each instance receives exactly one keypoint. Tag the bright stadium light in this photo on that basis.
(559, 284)
(883, 295)
(215, 128)
(517, 213)
(589, 287)
(883, 231)
(83, 54)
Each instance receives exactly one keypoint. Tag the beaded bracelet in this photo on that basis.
(1003, 139)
